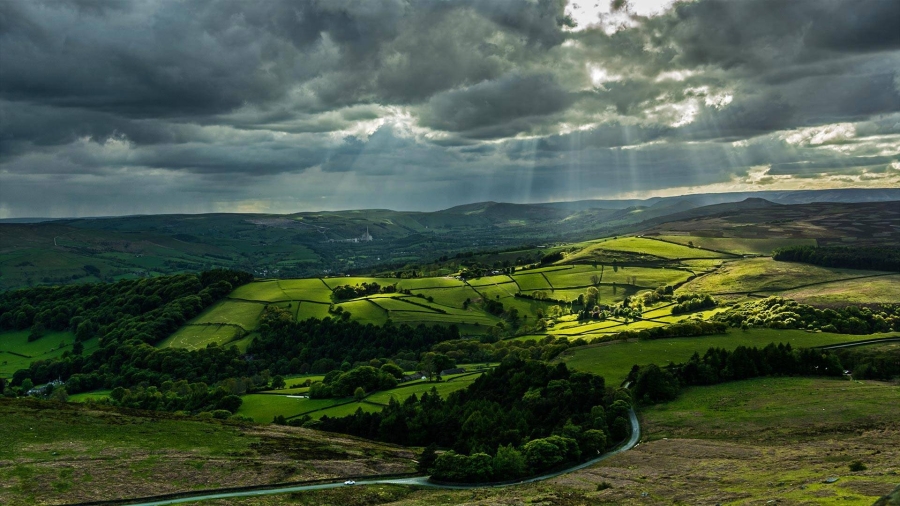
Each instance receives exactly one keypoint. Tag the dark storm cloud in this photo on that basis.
(450, 101)
(496, 103)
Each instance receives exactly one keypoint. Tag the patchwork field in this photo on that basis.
(614, 360)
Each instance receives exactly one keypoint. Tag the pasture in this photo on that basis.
(766, 275)
(613, 360)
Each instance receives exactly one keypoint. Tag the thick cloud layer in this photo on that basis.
(116, 107)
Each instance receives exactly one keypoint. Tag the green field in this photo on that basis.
(232, 312)
(402, 392)
(450, 297)
(535, 281)
(364, 311)
(490, 280)
(420, 283)
(335, 282)
(305, 289)
(766, 275)
(264, 407)
(306, 310)
(194, 337)
(880, 290)
(738, 245)
(268, 291)
(17, 353)
(641, 245)
(614, 360)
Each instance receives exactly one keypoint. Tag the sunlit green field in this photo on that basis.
(268, 291)
(233, 312)
(401, 393)
(306, 310)
(645, 246)
(305, 289)
(265, 407)
(614, 360)
(194, 337)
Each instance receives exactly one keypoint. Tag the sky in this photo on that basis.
(111, 107)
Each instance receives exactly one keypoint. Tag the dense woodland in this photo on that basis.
(148, 310)
(871, 258)
(521, 418)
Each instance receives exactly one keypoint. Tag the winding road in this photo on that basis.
(419, 481)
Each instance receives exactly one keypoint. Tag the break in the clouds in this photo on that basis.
(120, 107)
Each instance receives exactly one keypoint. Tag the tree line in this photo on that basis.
(655, 384)
(871, 258)
(780, 313)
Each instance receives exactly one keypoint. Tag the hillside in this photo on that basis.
(328, 243)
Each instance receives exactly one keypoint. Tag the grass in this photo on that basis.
(534, 281)
(766, 275)
(401, 393)
(420, 283)
(305, 289)
(738, 245)
(306, 310)
(883, 290)
(335, 282)
(232, 312)
(364, 311)
(265, 407)
(644, 246)
(774, 406)
(195, 337)
(268, 291)
(490, 280)
(52, 344)
(614, 360)
(68, 453)
(95, 395)
(451, 297)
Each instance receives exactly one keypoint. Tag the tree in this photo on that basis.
(427, 459)
(27, 385)
(359, 394)
(595, 280)
(278, 382)
(509, 463)
(59, 394)
(393, 369)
